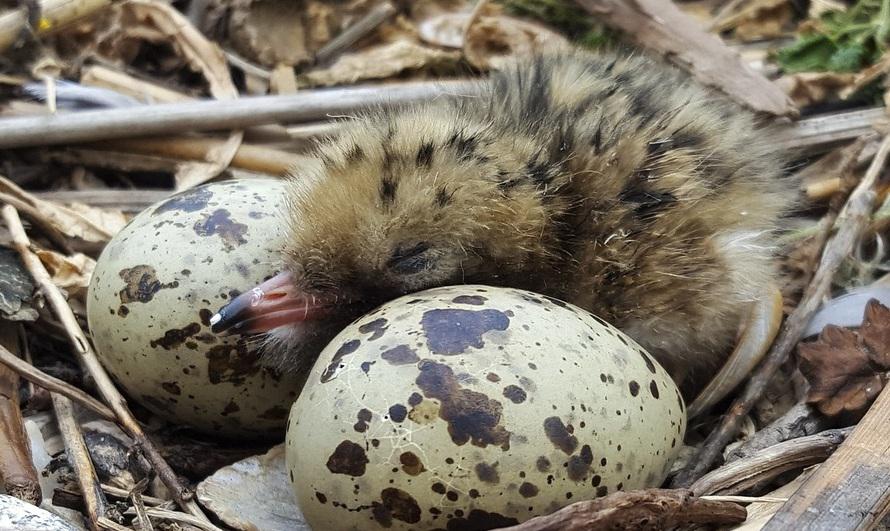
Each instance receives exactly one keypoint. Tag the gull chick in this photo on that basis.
(612, 182)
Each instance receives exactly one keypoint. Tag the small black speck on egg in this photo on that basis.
(653, 388)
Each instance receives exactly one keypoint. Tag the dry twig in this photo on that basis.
(79, 459)
(50, 383)
(54, 13)
(365, 25)
(124, 494)
(661, 26)
(85, 353)
(208, 115)
(799, 421)
(768, 463)
(129, 200)
(17, 472)
(181, 518)
(248, 157)
(852, 222)
(640, 510)
(142, 521)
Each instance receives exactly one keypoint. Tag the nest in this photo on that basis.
(145, 102)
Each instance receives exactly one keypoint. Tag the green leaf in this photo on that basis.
(811, 53)
(847, 59)
(841, 41)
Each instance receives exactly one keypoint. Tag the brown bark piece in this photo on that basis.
(661, 26)
(846, 370)
(640, 510)
(17, 472)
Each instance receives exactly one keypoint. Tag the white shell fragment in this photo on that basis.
(156, 286)
(472, 407)
(16, 514)
(269, 503)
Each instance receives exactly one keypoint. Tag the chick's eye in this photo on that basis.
(409, 259)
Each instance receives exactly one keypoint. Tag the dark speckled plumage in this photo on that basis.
(611, 182)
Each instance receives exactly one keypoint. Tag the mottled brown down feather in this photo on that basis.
(611, 182)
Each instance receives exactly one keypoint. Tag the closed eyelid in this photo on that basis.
(409, 259)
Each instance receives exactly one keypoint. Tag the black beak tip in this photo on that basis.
(219, 324)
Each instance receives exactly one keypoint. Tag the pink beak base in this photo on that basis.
(274, 303)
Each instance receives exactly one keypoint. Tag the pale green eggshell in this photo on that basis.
(474, 407)
(154, 289)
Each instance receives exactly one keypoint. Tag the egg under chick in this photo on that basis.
(612, 182)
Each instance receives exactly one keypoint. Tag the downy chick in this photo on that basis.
(612, 182)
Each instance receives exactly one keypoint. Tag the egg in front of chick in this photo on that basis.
(473, 407)
(153, 292)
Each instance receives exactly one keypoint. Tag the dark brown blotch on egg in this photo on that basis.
(349, 459)
(472, 416)
(487, 473)
(558, 434)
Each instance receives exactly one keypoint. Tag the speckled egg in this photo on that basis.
(472, 407)
(154, 289)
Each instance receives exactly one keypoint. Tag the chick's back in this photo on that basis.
(613, 182)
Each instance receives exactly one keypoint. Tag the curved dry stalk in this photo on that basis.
(50, 383)
(85, 353)
(352, 34)
(39, 220)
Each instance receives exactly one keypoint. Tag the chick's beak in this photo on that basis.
(276, 302)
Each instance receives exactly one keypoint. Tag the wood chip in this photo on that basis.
(660, 26)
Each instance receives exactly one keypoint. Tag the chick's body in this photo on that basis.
(611, 182)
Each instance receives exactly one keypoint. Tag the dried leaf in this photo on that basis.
(71, 273)
(875, 333)
(205, 57)
(111, 221)
(491, 40)
(286, 32)
(847, 370)
(446, 30)
(87, 223)
(810, 88)
(380, 62)
(761, 19)
(272, 32)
